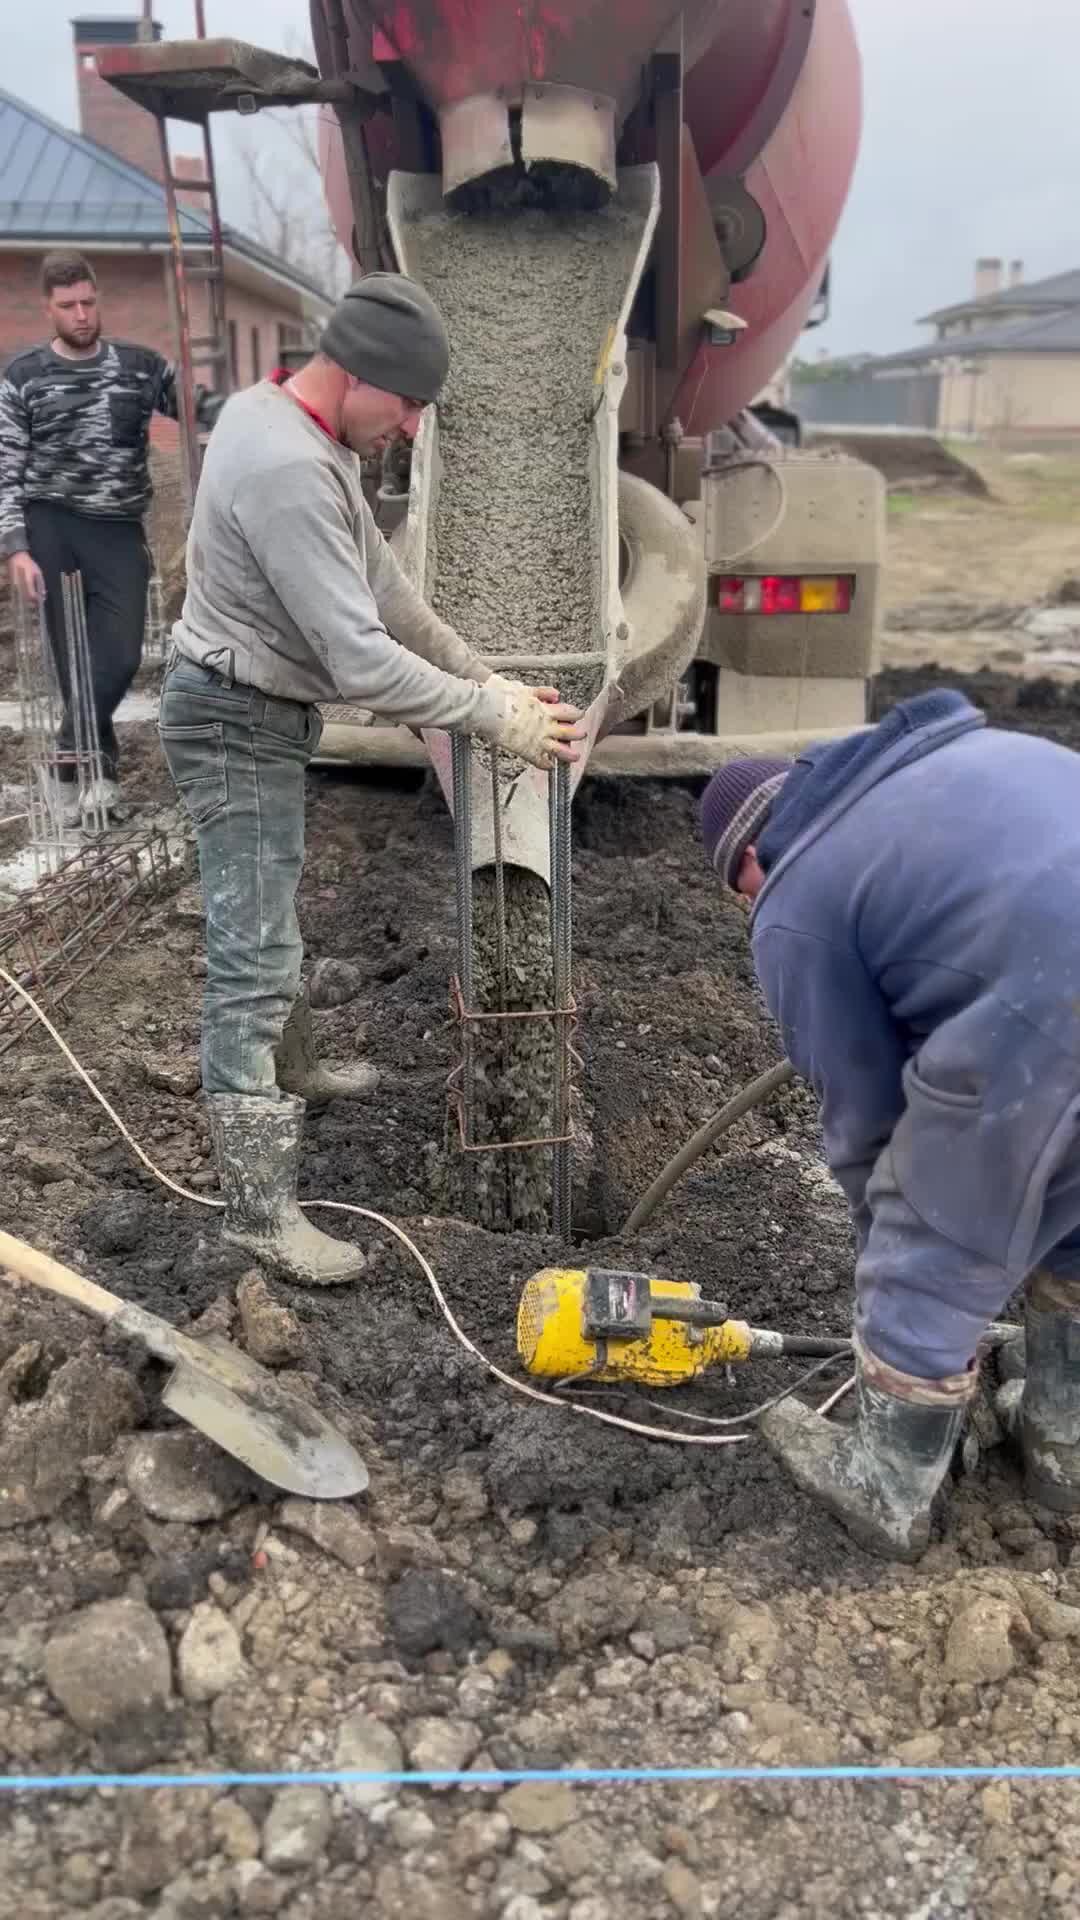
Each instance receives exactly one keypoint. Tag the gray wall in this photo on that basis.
(905, 400)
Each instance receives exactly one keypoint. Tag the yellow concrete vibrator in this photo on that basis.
(635, 1327)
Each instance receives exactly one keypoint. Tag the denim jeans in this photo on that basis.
(238, 758)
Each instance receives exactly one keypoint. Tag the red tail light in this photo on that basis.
(784, 593)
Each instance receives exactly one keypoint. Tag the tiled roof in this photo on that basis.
(59, 186)
(1059, 290)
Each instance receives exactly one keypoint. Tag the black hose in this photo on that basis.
(744, 1102)
(814, 1346)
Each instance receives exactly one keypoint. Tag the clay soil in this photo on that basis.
(590, 1597)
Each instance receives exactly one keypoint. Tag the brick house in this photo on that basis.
(100, 191)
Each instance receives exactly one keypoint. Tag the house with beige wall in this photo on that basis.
(1003, 365)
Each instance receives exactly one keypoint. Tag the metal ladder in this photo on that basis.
(190, 80)
(196, 261)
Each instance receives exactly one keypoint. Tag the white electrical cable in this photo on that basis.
(365, 1213)
(835, 1398)
(738, 464)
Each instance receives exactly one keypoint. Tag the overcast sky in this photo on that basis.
(971, 142)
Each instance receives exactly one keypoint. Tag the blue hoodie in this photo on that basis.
(918, 942)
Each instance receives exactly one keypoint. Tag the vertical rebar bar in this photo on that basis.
(559, 822)
(500, 957)
(154, 631)
(89, 769)
(461, 770)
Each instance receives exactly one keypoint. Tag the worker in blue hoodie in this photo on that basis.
(916, 933)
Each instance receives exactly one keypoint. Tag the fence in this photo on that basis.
(906, 400)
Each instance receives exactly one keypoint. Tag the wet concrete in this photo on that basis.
(529, 302)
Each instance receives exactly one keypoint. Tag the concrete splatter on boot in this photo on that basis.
(878, 1477)
(300, 1071)
(257, 1149)
(1050, 1404)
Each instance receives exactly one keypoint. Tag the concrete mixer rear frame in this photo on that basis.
(724, 100)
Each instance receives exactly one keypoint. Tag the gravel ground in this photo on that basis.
(519, 1588)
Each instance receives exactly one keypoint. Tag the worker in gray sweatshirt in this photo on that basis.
(293, 597)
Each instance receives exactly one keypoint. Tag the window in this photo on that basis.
(289, 344)
(256, 355)
(234, 354)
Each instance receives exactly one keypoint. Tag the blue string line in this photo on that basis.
(568, 1776)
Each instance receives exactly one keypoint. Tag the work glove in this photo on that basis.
(534, 724)
(498, 682)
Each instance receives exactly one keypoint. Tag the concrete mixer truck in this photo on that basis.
(625, 211)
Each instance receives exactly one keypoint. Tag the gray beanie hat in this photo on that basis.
(389, 333)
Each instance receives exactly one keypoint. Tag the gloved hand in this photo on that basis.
(539, 730)
(500, 682)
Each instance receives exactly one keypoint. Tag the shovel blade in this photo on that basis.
(277, 1435)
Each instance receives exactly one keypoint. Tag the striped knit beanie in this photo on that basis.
(734, 808)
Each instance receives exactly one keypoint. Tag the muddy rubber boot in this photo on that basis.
(1050, 1404)
(878, 1477)
(257, 1149)
(300, 1071)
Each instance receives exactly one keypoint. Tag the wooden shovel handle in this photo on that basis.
(43, 1271)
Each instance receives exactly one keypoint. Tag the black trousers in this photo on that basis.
(114, 560)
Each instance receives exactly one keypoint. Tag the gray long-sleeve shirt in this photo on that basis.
(291, 588)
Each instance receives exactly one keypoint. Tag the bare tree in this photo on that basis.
(277, 157)
(278, 161)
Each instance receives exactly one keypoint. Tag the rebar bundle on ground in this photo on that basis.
(56, 935)
(61, 745)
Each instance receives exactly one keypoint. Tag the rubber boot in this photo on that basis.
(61, 799)
(257, 1148)
(878, 1477)
(101, 801)
(300, 1071)
(1050, 1405)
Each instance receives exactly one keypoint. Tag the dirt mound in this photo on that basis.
(521, 1587)
(910, 462)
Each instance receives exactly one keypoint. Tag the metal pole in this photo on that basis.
(500, 952)
(188, 430)
(461, 769)
(559, 822)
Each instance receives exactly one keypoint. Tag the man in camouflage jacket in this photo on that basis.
(75, 419)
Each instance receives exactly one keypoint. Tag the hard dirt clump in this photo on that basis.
(520, 1588)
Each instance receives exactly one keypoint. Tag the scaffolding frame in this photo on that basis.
(190, 80)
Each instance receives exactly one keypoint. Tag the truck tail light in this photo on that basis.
(784, 593)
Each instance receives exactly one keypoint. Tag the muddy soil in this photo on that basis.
(520, 1586)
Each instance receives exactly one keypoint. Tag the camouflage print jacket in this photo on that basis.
(75, 433)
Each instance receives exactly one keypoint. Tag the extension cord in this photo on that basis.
(365, 1213)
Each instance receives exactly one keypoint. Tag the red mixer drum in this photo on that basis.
(771, 97)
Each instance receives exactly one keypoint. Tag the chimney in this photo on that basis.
(988, 275)
(1016, 273)
(105, 115)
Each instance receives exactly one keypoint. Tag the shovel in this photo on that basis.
(216, 1388)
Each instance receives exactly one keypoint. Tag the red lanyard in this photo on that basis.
(278, 379)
